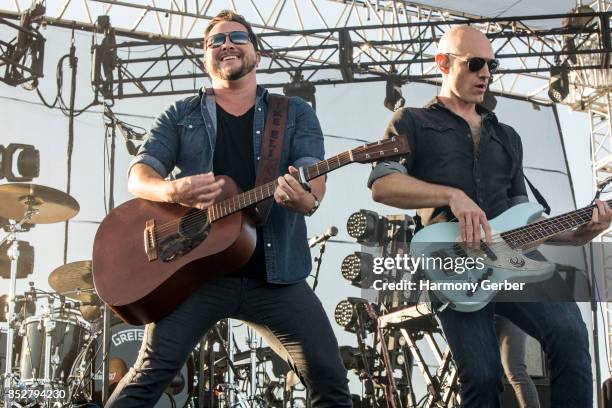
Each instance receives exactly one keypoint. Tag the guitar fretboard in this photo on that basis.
(260, 193)
(541, 230)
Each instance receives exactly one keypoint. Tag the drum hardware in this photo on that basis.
(25, 204)
(252, 343)
(13, 254)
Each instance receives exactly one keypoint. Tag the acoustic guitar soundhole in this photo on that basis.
(193, 228)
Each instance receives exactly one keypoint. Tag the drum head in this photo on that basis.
(125, 345)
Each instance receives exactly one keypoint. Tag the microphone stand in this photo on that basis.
(318, 260)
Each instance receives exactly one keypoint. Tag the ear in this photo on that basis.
(257, 59)
(443, 63)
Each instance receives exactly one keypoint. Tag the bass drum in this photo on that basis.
(86, 378)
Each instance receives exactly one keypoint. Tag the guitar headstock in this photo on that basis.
(383, 149)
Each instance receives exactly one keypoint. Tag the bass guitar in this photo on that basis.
(500, 265)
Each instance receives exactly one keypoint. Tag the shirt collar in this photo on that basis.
(260, 92)
(436, 103)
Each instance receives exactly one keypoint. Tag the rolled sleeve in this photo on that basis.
(150, 161)
(160, 149)
(384, 169)
(307, 145)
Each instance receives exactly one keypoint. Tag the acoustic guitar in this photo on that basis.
(148, 257)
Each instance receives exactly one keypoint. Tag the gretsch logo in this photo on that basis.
(127, 335)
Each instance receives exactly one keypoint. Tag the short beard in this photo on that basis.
(232, 74)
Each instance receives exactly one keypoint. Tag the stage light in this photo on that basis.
(357, 268)
(301, 88)
(578, 22)
(19, 162)
(105, 59)
(345, 49)
(367, 227)
(558, 86)
(349, 312)
(344, 314)
(353, 358)
(393, 96)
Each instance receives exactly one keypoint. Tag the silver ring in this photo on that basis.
(286, 198)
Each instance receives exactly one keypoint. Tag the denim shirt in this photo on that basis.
(182, 142)
(442, 152)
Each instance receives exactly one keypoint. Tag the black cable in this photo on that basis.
(171, 398)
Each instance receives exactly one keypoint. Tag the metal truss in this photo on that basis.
(143, 49)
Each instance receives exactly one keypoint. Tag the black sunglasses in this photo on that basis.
(236, 37)
(475, 64)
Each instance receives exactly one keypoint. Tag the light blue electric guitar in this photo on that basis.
(500, 265)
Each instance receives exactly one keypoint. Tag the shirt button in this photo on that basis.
(257, 157)
(259, 109)
(268, 245)
(258, 132)
(190, 126)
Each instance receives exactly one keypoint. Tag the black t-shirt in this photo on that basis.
(234, 157)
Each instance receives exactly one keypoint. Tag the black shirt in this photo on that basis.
(442, 152)
(234, 157)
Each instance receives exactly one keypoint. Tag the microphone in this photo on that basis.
(331, 232)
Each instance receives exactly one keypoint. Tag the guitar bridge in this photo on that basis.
(150, 241)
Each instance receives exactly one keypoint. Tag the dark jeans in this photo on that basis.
(513, 350)
(558, 326)
(290, 318)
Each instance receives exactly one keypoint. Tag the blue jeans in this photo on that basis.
(558, 326)
(290, 318)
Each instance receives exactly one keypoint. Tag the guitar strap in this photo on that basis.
(536, 193)
(270, 152)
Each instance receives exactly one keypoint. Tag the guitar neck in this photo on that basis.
(265, 191)
(542, 230)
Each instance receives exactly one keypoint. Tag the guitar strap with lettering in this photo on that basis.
(270, 152)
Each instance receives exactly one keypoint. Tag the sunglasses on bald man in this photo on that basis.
(236, 37)
(475, 64)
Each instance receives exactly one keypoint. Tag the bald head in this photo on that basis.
(467, 41)
(463, 82)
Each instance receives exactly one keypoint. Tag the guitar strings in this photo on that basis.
(508, 238)
(192, 219)
(343, 158)
(536, 227)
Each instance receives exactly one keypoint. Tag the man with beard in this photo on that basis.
(464, 165)
(219, 132)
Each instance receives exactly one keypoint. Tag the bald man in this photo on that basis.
(464, 165)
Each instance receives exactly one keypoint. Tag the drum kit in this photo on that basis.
(51, 342)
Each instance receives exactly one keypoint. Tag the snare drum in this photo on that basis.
(64, 333)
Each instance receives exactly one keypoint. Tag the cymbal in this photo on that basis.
(74, 280)
(52, 205)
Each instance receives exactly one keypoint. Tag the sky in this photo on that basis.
(350, 111)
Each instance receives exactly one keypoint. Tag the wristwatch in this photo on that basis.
(315, 207)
